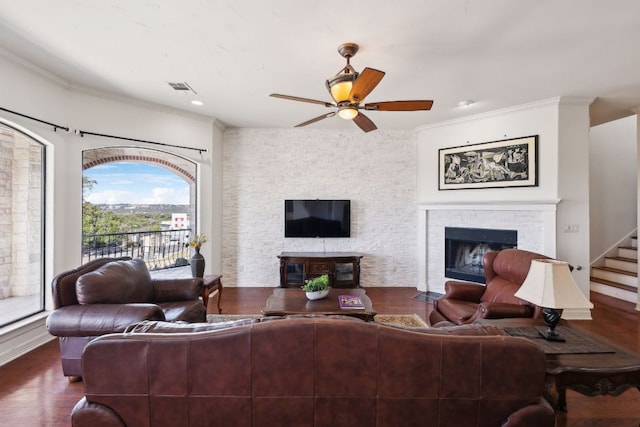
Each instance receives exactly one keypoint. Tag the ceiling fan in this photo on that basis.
(348, 89)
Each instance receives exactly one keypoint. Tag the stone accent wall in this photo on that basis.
(6, 202)
(20, 214)
(376, 171)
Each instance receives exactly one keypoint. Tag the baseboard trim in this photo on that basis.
(19, 339)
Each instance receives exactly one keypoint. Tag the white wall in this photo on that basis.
(562, 125)
(612, 165)
(34, 93)
(376, 171)
(573, 188)
(531, 119)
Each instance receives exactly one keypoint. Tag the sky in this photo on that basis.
(136, 183)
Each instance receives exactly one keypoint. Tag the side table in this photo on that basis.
(590, 373)
(211, 283)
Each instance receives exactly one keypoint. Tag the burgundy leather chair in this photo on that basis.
(505, 271)
(107, 295)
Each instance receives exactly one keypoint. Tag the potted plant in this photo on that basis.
(317, 288)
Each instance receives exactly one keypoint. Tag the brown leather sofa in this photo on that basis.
(107, 295)
(312, 372)
(505, 271)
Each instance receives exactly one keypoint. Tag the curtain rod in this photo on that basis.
(55, 126)
(82, 133)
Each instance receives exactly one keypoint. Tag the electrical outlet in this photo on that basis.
(571, 228)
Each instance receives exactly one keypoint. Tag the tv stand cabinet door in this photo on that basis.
(346, 274)
(293, 272)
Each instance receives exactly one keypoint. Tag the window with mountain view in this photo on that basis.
(136, 209)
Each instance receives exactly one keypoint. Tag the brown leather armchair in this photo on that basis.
(465, 302)
(107, 295)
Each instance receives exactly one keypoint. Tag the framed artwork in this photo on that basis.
(506, 163)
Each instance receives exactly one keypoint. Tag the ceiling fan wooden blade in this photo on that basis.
(316, 119)
(399, 106)
(297, 98)
(364, 122)
(364, 84)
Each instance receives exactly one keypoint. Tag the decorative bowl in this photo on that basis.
(317, 294)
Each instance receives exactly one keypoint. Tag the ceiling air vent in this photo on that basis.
(182, 87)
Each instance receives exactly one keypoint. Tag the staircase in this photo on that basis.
(618, 277)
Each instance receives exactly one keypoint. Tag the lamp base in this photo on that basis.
(551, 318)
(551, 335)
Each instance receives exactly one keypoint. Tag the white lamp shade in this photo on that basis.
(550, 284)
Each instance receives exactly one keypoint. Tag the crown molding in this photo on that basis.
(557, 101)
(29, 66)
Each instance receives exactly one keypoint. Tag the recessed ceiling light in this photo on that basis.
(196, 102)
(466, 103)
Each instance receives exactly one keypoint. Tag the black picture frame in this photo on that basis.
(495, 164)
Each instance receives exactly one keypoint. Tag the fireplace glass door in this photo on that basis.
(465, 249)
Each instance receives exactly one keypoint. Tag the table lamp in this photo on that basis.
(550, 285)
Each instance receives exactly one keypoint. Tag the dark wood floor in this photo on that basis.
(33, 391)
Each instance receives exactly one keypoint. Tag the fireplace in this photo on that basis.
(465, 248)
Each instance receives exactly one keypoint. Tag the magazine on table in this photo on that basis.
(350, 302)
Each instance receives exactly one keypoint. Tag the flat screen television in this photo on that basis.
(317, 218)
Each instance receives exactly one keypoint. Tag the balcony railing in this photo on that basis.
(158, 249)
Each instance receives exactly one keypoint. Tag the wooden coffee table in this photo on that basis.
(603, 372)
(284, 302)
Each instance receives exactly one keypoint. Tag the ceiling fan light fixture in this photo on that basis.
(340, 85)
(349, 88)
(347, 112)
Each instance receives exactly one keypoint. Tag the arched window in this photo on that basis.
(138, 203)
(22, 186)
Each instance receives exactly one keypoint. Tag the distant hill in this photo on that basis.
(144, 208)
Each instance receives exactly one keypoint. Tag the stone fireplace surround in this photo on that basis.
(534, 221)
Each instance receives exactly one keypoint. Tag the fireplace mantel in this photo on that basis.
(491, 205)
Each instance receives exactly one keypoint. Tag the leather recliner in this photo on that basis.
(107, 295)
(505, 271)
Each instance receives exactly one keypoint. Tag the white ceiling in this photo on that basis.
(234, 53)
